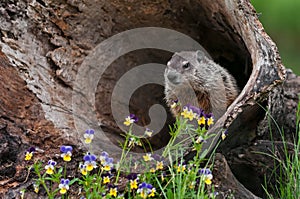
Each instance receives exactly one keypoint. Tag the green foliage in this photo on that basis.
(164, 177)
(288, 177)
(281, 19)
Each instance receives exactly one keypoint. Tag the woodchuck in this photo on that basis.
(193, 78)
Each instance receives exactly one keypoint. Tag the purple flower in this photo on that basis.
(90, 162)
(145, 190)
(103, 156)
(132, 176)
(89, 136)
(64, 185)
(130, 120)
(50, 167)
(66, 152)
(90, 131)
(204, 171)
(194, 109)
(65, 149)
(132, 116)
(108, 164)
(224, 134)
(29, 153)
(206, 175)
(31, 149)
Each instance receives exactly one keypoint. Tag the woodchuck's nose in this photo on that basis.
(173, 77)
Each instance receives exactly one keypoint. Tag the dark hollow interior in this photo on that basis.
(208, 28)
(193, 18)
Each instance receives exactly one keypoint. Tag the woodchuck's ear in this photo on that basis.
(200, 55)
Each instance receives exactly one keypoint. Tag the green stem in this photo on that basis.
(123, 155)
(42, 180)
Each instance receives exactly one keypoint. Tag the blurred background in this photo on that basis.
(281, 20)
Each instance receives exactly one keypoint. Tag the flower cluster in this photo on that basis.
(192, 112)
(105, 181)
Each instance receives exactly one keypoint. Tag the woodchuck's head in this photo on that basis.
(186, 67)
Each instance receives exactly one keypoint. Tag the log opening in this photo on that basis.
(202, 22)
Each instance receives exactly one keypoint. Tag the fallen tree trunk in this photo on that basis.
(61, 74)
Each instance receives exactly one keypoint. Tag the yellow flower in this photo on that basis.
(28, 155)
(128, 121)
(223, 136)
(133, 184)
(89, 136)
(192, 185)
(84, 172)
(106, 168)
(206, 175)
(201, 120)
(159, 165)
(66, 152)
(36, 188)
(144, 195)
(49, 169)
(148, 132)
(106, 179)
(88, 140)
(152, 194)
(147, 157)
(82, 168)
(113, 192)
(208, 179)
(63, 190)
(89, 167)
(152, 170)
(67, 156)
(64, 186)
(181, 168)
(187, 114)
(210, 121)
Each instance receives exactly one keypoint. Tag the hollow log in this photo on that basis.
(58, 78)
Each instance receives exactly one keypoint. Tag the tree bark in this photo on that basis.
(45, 44)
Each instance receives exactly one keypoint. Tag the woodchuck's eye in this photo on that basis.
(186, 65)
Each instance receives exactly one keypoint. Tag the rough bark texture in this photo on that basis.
(44, 42)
